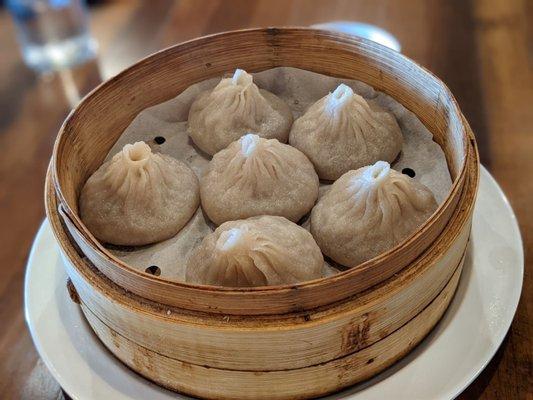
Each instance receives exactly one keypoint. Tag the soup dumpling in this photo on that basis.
(257, 251)
(369, 211)
(342, 132)
(256, 176)
(139, 197)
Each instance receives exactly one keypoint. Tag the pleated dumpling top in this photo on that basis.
(233, 108)
(257, 251)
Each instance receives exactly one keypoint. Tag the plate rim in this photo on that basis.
(484, 173)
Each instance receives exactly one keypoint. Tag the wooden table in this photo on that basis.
(479, 48)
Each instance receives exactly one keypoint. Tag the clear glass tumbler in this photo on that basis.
(53, 34)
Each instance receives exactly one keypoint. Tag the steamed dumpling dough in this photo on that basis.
(139, 197)
(258, 251)
(256, 176)
(369, 211)
(342, 132)
(234, 107)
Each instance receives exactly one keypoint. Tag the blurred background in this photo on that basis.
(53, 52)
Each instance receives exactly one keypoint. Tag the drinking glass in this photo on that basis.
(53, 34)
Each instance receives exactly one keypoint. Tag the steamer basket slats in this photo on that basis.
(91, 130)
(303, 383)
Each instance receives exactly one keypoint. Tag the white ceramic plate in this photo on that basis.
(443, 365)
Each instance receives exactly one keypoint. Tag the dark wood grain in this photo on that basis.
(483, 49)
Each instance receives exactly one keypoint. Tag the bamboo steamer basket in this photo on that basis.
(94, 126)
(294, 341)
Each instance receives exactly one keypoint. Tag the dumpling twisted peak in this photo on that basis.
(242, 78)
(368, 211)
(236, 106)
(249, 144)
(258, 251)
(339, 99)
(256, 176)
(342, 131)
(234, 258)
(257, 165)
(133, 165)
(139, 197)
